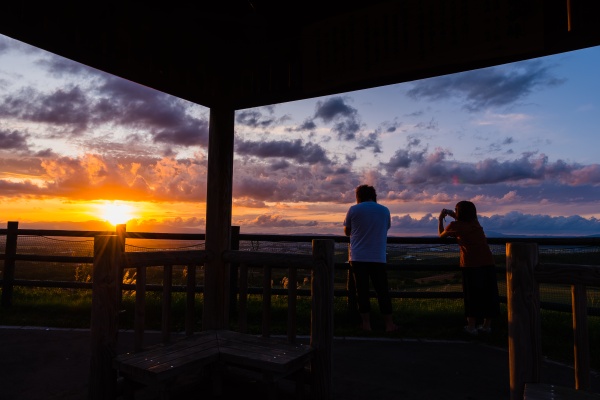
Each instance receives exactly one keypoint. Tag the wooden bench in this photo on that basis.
(210, 353)
(161, 365)
(524, 274)
(214, 351)
(272, 359)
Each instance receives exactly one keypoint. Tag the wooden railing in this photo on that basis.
(110, 259)
(11, 256)
(524, 274)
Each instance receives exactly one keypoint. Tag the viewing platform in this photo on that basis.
(53, 364)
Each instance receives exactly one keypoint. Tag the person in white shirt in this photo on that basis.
(367, 224)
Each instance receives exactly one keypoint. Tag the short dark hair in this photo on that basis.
(366, 193)
(466, 211)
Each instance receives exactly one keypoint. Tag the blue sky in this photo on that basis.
(520, 140)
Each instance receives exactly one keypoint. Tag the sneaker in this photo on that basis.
(470, 331)
(481, 329)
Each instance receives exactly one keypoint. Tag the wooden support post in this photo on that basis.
(581, 345)
(10, 252)
(218, 217)
(524, 329)
(104, 326)
(321, 325)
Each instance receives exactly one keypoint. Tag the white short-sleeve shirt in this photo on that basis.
(368, 223)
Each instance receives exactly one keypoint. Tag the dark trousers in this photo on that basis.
(377, 274)
(480, 288)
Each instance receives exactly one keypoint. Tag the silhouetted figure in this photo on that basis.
(367, 224)
(480, 284)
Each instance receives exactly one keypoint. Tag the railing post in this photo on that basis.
(292, 291)
(139, 319)
(266, 301)
(10, 251)
(104, 327)
(233, 278)
(353, 314)
(524, 330)
(352, 303)
(120, 231)
(190, 300)
(167, 300)
(243, 299)
(321, 324)
(581, 345)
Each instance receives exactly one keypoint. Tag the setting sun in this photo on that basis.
(116, 213)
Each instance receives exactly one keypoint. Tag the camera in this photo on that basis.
(447, 212)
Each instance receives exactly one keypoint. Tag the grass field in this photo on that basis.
(437, 319)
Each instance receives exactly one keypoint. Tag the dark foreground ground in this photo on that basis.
(49, 364)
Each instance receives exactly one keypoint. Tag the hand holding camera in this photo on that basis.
(446, 212)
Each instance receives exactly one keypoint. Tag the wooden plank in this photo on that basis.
(281, 260)
(163, 362)
(161, 349)
(266, 354)
(568, 274)
(163, 257)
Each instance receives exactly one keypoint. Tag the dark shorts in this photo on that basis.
(480, 289)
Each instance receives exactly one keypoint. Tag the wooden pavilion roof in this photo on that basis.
(248, 53)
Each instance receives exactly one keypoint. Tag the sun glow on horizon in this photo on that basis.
(116, 213)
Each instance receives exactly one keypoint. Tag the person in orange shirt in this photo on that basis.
(480, 284)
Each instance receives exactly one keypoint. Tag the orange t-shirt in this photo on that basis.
(474, 250)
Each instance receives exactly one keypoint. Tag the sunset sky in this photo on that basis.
(79, 146)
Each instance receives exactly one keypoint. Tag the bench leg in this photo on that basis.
(300, 382)
(165, 391)
(271, 386)
(128, 390)
(216, 377)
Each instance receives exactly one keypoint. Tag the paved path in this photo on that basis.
(52, 364)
